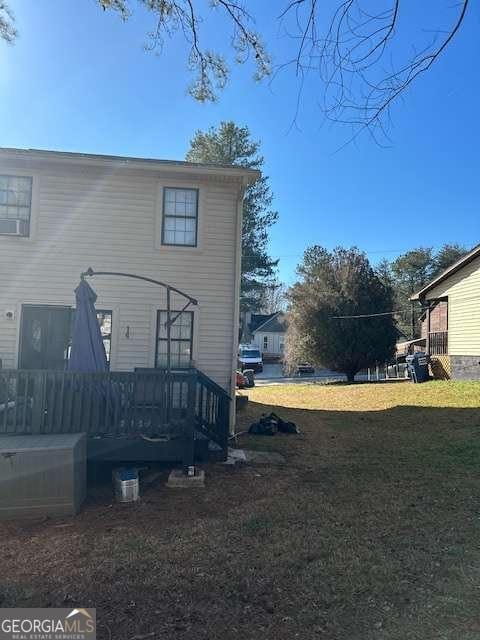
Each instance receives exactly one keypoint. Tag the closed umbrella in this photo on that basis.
(88, 351)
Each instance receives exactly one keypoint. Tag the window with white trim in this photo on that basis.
(15, 205)
(180, 217)
(265, 343)
(181, 339)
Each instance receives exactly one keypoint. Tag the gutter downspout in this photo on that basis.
(236, 303)
(429, 307)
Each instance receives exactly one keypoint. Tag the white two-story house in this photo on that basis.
(176, 222)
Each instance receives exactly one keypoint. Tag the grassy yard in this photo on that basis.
(370, 531)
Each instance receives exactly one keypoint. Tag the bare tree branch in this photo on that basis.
(350, 56)
(210, 68)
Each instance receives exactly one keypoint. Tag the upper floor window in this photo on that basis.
(180, 217)
(15, 205)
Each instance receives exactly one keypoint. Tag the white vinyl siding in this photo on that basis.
(107, 219)
(463, 291)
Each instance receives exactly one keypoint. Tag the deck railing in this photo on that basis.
(147, 402)
(212, 406)
(437, 344)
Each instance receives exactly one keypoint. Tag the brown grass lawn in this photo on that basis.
(370, 531)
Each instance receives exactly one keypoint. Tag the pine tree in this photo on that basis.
(230, 144)
(446, 256)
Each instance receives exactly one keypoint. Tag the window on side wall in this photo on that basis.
(15, 205)
(181, 340)
(180, 217)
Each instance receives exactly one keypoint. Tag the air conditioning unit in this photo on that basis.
(13, 227)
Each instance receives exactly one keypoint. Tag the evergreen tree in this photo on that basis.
(230, 144)
(411, 272)
(447, 255)
(333, 284)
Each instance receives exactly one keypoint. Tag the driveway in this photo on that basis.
(273, 374)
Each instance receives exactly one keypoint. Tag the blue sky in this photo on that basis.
(78, 79)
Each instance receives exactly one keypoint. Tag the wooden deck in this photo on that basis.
(147, 414)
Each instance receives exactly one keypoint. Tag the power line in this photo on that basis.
(392, 313)
(366, 315)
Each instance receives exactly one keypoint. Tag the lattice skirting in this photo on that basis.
(440, 367)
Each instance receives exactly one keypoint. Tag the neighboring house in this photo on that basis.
(268, 334)
(177, 222)
(451, 323)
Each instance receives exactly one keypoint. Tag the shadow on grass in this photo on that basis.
(439, 437)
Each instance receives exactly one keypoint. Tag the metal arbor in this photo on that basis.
(169, 288)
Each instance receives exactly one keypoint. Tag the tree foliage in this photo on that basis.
(331, 285)
(7, 23)
(413, 269)
(446, 256)
(409, 273)
(231, 144)
(209, 67)
(274, 297)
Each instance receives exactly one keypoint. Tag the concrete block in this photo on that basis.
(235, 456)
(465, 367)
(178, 479)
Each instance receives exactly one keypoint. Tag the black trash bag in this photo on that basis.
(271, 424)
(283, 425)
(264, 427)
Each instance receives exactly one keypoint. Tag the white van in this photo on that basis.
(249, 357)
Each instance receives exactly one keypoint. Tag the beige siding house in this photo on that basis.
(177, 222)
(452, 318)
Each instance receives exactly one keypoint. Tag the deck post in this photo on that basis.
(38, 409)
(169, 357)
(189, 427)
(427, 343)
(223, 417)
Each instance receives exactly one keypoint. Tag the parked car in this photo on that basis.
(249, 357)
